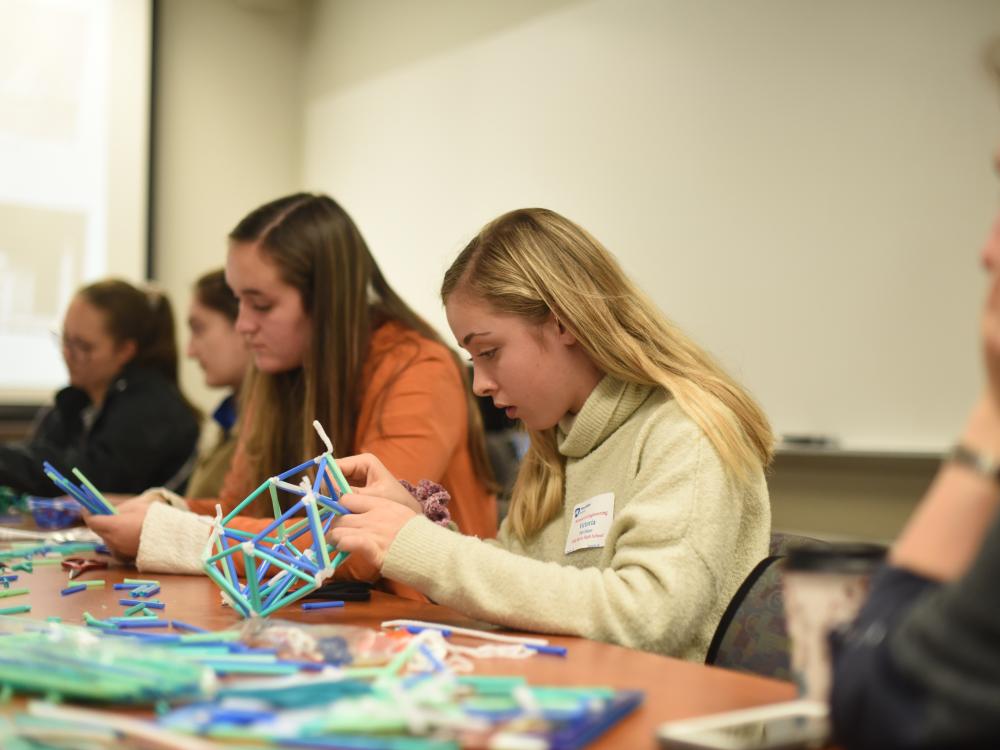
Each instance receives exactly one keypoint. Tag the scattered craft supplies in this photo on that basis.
(70, 662)
(443, 710)
(47, 726)
(33, 551)
(396, 690)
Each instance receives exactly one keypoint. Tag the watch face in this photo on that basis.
(980, 463)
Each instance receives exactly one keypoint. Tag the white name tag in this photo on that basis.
(591, 522)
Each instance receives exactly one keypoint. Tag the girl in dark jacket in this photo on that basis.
(122, 420)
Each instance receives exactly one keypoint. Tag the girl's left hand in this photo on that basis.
(370, 528)
(120, 532)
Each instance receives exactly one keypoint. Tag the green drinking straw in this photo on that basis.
(15, 610)
(341, 481)
(275, 505)
(94, 622)
(247, 536)
(400, 659)
(317, 525)
(305, 577)
(222, 551)
(253, 587)
(296, 526)
(246, 501)
(97, 493)
(234, 595)
(221, 635)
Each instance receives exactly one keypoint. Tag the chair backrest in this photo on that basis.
(751, 636)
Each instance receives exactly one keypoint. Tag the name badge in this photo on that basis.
(591, 522)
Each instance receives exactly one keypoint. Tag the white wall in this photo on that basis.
(228, 133)
(659, 124)
(803, 186)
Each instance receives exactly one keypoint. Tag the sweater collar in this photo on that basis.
(225, 414)
(607, 407)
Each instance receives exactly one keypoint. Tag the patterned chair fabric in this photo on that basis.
(751, 635)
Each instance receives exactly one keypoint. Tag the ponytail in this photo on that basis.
(143, 315)
(156, 347)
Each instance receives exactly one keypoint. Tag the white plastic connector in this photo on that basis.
(323, 436)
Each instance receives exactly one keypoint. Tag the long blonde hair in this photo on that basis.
(532, 263)
(319, 251)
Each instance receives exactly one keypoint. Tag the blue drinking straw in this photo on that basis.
(133, 602)
(554, 650)
(322, 605)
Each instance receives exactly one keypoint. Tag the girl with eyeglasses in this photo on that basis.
(122, 419)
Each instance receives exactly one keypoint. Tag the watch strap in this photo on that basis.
(982, 464)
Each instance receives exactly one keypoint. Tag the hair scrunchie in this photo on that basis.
(433, 499)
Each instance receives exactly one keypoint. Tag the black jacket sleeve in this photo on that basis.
(52, 440)
(142, 437)
(920, 667)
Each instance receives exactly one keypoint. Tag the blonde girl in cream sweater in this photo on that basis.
(641, 504)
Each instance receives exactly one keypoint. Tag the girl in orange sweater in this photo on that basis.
(330, 341)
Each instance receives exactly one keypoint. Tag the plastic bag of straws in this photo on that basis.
(338, 645)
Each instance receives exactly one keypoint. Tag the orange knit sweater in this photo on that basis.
(414, 418)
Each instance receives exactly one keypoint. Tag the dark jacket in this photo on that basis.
(144, 436)
(920, 667)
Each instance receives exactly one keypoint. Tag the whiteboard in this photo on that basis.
(74, 153)
(802, 186)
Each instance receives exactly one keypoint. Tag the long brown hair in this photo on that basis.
(212, 291)
(144, 316)
(320, 252)
(534, 263)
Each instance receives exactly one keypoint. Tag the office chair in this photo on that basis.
(751, 635)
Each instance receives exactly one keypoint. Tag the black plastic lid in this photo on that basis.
(836, 558)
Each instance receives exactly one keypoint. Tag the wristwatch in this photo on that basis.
(985, 466)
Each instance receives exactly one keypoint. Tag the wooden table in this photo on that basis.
(674, 689)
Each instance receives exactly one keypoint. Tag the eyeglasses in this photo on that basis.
(73, 346)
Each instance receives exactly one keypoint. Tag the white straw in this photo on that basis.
(323, 436)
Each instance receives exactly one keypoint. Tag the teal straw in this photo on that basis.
(342, 484)
(250, 568)
(285, 566)
(249, 499)
(275, 505)
(238, 600)
(318, 527)
(112, 510)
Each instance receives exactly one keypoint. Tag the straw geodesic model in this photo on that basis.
(299, 572)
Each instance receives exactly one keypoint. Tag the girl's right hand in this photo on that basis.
(368, 476)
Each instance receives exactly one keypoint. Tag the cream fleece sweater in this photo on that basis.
(682, 539)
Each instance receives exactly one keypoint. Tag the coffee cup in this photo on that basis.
(824, 587)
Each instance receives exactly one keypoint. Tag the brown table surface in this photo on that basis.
(674, 689)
